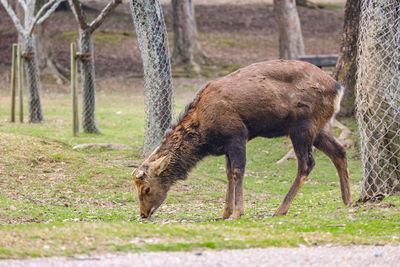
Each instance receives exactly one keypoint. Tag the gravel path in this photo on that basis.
(302, 256)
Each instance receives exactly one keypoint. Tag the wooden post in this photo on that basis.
(74, 67)
(13, 80)
(20, 83)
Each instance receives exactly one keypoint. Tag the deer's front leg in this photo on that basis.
(237, 157)
(230, 190)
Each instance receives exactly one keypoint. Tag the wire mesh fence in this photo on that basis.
(378, 98)
(32, 74)
(153, 44)
(86, 59)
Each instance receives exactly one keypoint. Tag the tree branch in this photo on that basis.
(49, 12)
(23, 4)
(44, 12)
(14, 17)
(78, 13)
(104, 14)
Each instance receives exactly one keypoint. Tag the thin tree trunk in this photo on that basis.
(47, 60)
(87, 60)
(88, 83)
(346, 67)
(153, 44)
(291, 44)
(186, 45)
(32, 73)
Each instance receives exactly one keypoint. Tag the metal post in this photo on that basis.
(13, 80)
(74, 67)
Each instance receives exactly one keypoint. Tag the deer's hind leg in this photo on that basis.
(302, 138)
(327, 144)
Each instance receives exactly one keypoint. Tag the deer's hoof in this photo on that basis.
(226, 214)
(237, 216)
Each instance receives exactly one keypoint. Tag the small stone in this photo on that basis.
(198, 253)
(378, 253)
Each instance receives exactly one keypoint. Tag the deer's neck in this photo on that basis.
(185, 150)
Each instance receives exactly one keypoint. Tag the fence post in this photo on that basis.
(20, 83)
(75, 121)
(13, 80)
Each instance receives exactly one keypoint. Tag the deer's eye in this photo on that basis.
(147, 190)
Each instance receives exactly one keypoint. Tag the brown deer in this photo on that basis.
(267, 99)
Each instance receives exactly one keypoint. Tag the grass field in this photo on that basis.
(58, 201)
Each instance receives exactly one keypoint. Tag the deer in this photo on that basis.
(267, 99)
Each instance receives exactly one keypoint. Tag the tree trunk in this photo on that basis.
(346, 67)
(88, 83)
(186, 44)
(32, 73)
(46, 57)
(153, 44)
(291, 44)
(378, 98)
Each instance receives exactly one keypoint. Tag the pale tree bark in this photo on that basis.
(291, 44)
(32, 17)
(87, 60)
(153, 44)
(346, 67)
(187, 52)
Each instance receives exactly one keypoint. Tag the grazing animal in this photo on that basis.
(267, 99)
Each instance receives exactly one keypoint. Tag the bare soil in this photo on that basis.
(232, 35)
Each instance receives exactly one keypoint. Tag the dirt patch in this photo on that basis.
(232, 35)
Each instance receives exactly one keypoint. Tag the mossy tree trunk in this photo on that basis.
(346, 67)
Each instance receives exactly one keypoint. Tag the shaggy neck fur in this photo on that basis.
(185, 149)
(184, 143)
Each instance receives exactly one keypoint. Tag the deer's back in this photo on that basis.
(267, 99)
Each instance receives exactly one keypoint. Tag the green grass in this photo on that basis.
(58, 201)
(101, 36)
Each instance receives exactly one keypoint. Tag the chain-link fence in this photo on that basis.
(378, 98)
(32, 74)
(153, 44)
(86, 59)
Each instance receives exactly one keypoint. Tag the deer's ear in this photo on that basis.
(158, 166)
